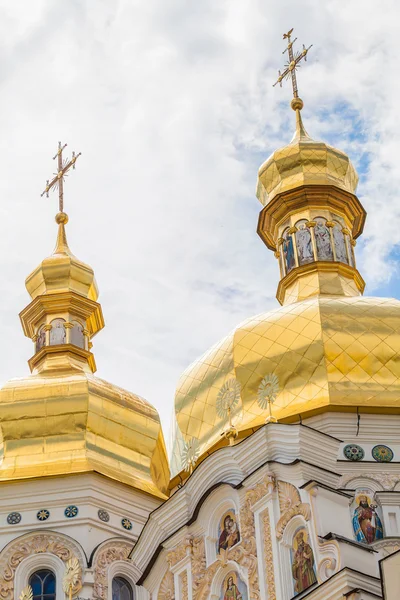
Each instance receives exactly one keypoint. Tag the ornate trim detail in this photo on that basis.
(25, 546)
(268, 557)
(290, 505)
(108, 554)
(167, 587)
(302, 509)
(179, 553)
(386, 479)
(184, 586)
(387, 547)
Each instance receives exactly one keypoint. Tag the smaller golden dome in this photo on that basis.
(304, 162)
(62, 271)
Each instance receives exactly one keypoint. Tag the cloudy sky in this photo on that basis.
(172, 106)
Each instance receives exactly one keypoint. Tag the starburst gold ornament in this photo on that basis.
(267, 393)
(190, 454)
(71, 577)
(26, 594)
(228, 397)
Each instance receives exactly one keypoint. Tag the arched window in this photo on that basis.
(43, 584)
(121, 589)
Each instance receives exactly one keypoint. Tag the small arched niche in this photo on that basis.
(305, 251)
(288, 250)
(340, 243)
(41, 338)
(57, 332)
(322, 239)
(77, 335)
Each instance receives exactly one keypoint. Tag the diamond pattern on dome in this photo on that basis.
(305, 161)
(340, 351)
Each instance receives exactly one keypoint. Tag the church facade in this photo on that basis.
(284, 478)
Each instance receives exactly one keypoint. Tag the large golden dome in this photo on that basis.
(328, 353)
(327, 348)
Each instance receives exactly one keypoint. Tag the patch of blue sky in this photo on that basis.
(390, 288)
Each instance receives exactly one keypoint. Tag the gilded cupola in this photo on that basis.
(327, 348)
(62, 419)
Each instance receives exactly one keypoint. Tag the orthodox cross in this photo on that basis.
(63, 166)
(293, 62)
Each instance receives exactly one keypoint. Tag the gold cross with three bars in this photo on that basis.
(58, 180)
(293, 62)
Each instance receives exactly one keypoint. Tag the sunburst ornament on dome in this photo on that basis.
(71, 577)
(267, 393)
(228, 397)
(190, 454)
(26, 594)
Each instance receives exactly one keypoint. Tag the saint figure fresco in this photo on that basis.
(41, 340)
(229, 533)
(233, 588)
(57, 332)
(288, 251)
(303, 562)
(77, 338)
(340, 243)
(366, 522)
(323, 240)
(304, 244)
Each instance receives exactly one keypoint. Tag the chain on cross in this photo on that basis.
(58, 180)
(292, 64)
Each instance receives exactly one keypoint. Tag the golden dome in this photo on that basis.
(62, 271)
(304, 162)
(62, 419)
(328, 353)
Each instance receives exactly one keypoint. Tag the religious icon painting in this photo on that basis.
(323, 240)
(228, 531)
(305, 252)
(303, 562)
(367, 524)
(57, 332)
(233, 588)
(288, 251)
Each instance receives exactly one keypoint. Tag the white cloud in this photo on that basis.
(172, 105)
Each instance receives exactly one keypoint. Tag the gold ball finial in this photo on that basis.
(61, 217)
(297, 104)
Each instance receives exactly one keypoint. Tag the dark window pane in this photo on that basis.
(43, 585)
(121, 589)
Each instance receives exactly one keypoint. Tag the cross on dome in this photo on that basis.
(58, 180)
(290, 68)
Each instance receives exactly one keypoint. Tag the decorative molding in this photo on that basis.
(180, 552)
(25, 546)
(184, 586)
(386, 479)
(167, 587)
(290, 505)
(268, 557)
(302, 509)
(107, 554)
(387, 547)
(288, 495)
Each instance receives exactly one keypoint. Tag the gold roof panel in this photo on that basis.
(304, 162)
(329, 353)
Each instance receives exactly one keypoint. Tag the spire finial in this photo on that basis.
(63, 166)
(290, 69)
